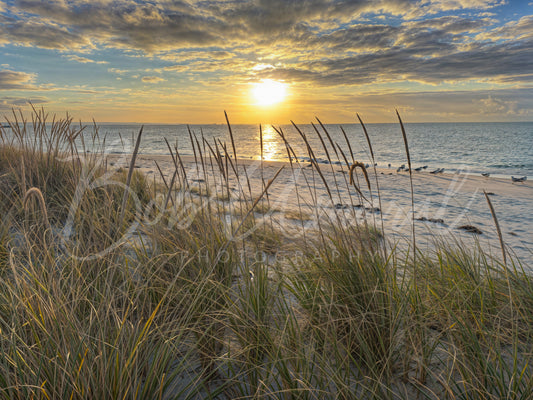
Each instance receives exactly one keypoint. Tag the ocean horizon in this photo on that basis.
(501, 149)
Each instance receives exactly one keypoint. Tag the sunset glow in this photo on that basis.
(269, 92)
(187, 61)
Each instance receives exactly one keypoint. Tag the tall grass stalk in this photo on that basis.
(195, 301)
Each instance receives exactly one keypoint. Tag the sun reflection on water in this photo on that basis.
(272, 143)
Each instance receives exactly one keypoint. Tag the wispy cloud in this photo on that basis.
(118, 71)
(85, 60)
(152, 79)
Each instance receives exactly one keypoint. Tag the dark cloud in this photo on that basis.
(319, 41)
(14, 80)
(152, 79)
(497, 62)
(281, 17)
(416, 52)
(126, 24)
(9, 103)
(358, 38)
(31, 32)
(163, 25)
(452, 24)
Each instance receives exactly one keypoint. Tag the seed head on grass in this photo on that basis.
(355, 165)
(36, 192)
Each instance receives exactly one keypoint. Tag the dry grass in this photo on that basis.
(297, 215)
(147, 290)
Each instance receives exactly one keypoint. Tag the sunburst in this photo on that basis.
(269, 92)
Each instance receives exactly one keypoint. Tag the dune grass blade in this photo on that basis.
(406, 144)
(498, 230)
(329, 137)
(348, 144)
(128, 179)
(360, 165)
(35, 192)
(369, 142)
(314, 161)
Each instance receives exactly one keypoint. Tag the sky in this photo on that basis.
(189, 61)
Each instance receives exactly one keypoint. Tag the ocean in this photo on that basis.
(501, 149)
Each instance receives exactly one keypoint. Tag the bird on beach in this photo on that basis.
(522, 179)
(485, 174)
(418, 169)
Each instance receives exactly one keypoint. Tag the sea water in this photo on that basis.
(501, 149)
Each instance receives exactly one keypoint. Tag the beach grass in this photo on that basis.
(114, 286)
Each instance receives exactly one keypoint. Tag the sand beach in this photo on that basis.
(443, 202)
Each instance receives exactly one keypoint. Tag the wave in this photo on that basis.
(527, 166)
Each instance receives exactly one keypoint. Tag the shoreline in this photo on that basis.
(443, 202)
(465, 170)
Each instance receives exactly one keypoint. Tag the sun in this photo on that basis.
(269, 92)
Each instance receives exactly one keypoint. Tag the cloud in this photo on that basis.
(14, 80)
(122, 24)
(152, 79)
(431, 51)
(512, 31)
(176, 68)
(358, 37)
(9, 103)
(450, 24)
(163, 25)
(495, 63)
(445, 105)
(325, 42)
(118, 71)
(437, 6)
(499, 106)
(32, 31)
(85, 60)
(187, 55)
